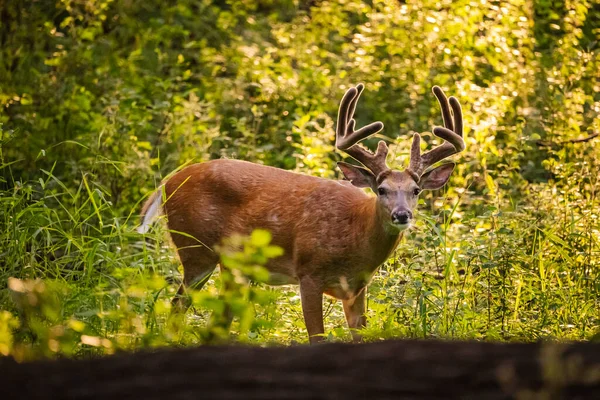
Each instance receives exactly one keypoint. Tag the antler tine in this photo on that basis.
(374, 162)
(451, 132)
(415, 156)
(347, 138)
(342, 121)
(445, 106)
(458, 117)
(352, 107)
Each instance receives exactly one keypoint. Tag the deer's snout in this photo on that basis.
(401, 217)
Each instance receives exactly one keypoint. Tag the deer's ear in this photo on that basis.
(358, 176)
(437, 177)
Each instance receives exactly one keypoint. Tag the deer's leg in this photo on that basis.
(181, 301)
(311, 294)
(224, 320)
(198, 265)
(355, 313)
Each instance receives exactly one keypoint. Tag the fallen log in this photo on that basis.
(384, 370)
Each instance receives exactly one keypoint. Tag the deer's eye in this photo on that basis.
(416, 191)
(382, 191)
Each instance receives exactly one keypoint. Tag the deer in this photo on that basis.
(335, 234)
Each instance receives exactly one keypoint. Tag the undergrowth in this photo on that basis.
(101, 100)
(79, 280)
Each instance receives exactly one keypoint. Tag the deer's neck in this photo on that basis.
(383, 238)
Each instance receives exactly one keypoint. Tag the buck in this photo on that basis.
(334, 234)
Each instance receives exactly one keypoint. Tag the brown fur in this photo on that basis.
(334, 235)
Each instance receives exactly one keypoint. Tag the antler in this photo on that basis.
(451, 132)
(346, 138)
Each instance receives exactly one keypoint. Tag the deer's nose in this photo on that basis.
(401, 217)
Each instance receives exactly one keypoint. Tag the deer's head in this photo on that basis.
(398, 191)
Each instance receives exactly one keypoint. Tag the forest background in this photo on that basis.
(102, 99)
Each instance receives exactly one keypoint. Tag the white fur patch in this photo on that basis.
(151, 214)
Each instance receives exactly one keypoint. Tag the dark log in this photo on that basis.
(384, 370)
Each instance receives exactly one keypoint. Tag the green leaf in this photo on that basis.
(260, 238)
(491, 185)
(272, 251)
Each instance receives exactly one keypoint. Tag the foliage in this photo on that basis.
(134, 310)
(104, 98)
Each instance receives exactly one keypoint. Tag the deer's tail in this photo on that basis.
(151, 210)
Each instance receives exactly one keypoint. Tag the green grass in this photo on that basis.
(102, 99)
(78, 280)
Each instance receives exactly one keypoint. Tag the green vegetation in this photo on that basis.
(101, 99)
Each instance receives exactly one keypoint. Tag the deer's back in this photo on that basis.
(315, 220)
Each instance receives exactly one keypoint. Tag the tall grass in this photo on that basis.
(77, 279)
